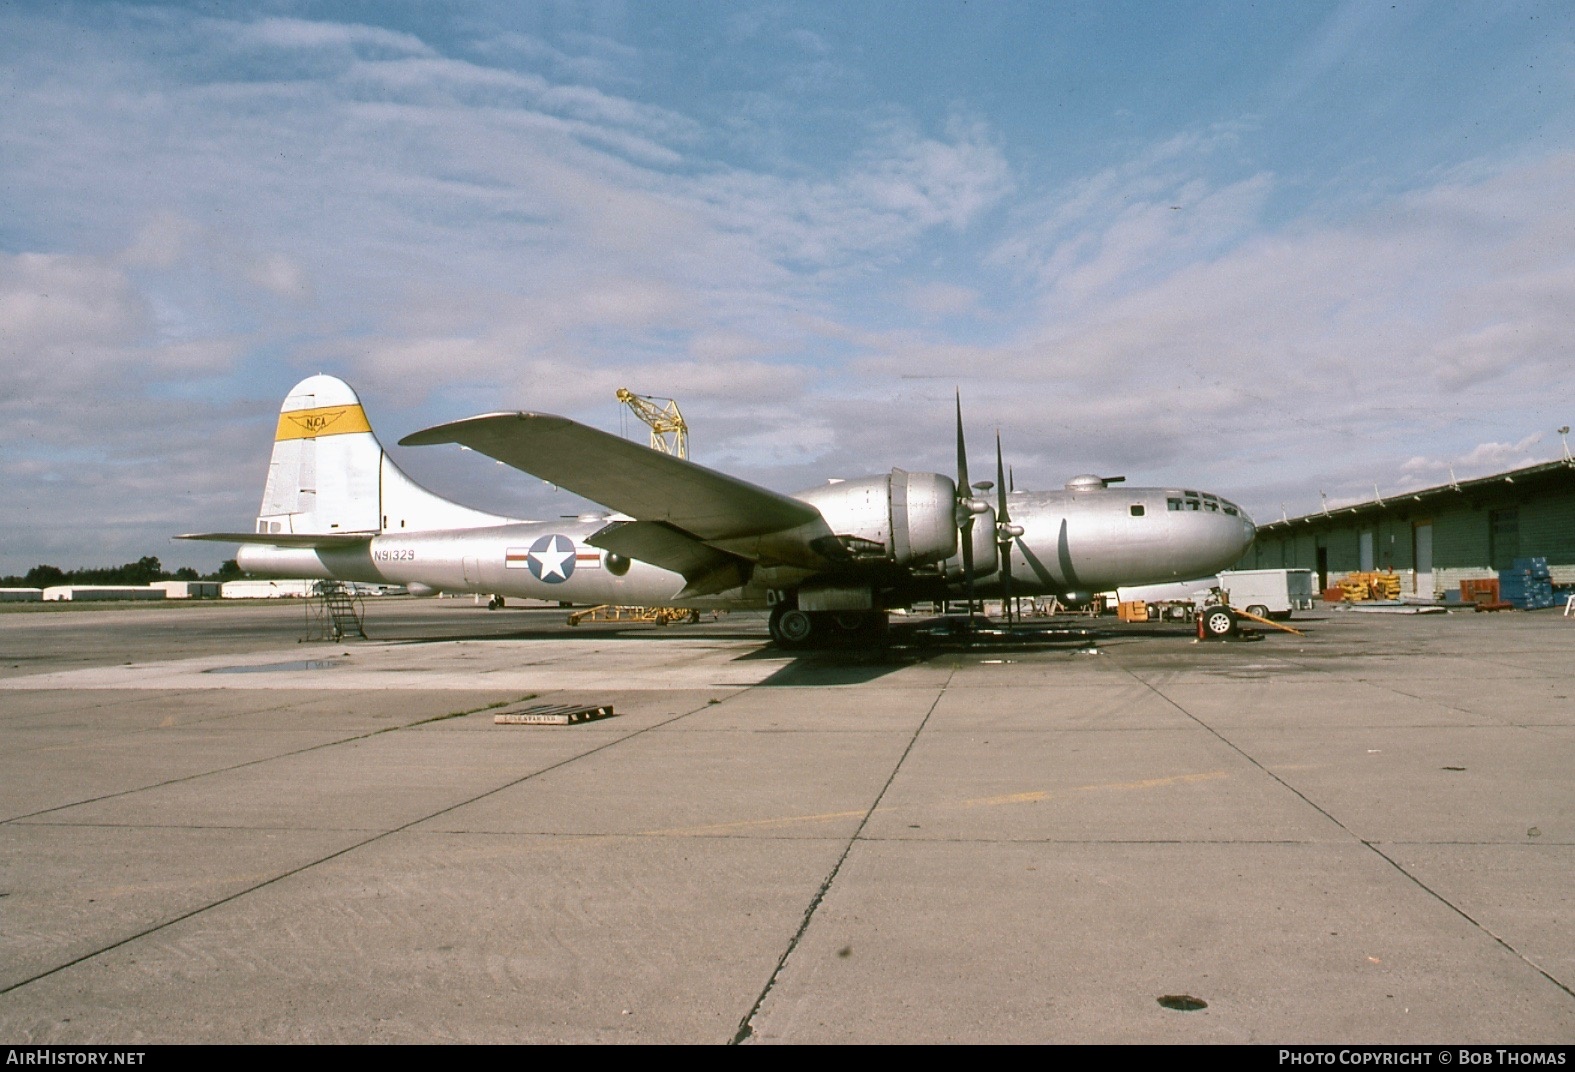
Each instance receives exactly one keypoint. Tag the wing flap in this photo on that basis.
(630, 478)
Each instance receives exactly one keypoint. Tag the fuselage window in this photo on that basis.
(1137, 509)
(1173, 504)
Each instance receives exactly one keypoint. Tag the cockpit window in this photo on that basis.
(1137, 510)
(1211, 506)
(1193, 504)
(1190, 494)
(1231, 510)
(1173, 504)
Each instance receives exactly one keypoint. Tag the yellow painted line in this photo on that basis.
(323, 421)
(1156, 783)
(751, 824)
(714, 829)
(1010, 798)
(1147, 783)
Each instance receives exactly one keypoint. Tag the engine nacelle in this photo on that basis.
(901, 517)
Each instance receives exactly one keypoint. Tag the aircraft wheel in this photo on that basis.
(866, 625)
(1218, 623)
(1259, 610)
(791, 627)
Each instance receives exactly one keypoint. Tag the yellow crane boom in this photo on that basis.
(669, 433)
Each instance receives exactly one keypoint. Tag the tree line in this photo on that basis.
(144, 570)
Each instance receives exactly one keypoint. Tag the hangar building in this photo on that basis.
(1437, 537)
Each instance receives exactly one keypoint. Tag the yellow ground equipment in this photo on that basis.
(1360, 587)
(1264, 621)
(609, 613)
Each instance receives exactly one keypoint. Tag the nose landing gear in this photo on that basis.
(1216, 623)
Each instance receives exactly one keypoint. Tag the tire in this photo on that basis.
(1217, 623)
(1258, 610)
(858, 627)
(791, 627)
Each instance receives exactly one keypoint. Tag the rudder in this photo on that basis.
(323, 476)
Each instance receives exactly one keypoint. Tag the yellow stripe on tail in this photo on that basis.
(323, 421)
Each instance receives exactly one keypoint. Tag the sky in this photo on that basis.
(1276, 251)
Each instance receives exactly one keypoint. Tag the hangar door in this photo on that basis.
(1503, 537)
(1422, 555)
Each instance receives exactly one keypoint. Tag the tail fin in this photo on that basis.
(330, 475)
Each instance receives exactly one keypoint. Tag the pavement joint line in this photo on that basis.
(1539, 969)
(200, 723)
(1371, 846)
(237, 895)
(705, 833)
(1490, 719)
(234, 767)
(745, 1028)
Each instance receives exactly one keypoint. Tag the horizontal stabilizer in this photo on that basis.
(283, 539)
(628, 477)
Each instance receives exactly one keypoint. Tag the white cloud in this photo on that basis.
(287, 33)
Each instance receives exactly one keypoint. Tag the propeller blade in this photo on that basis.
(962, 453)
(1003, 538)
(964, 508)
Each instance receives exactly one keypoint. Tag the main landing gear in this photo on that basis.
(796, 629)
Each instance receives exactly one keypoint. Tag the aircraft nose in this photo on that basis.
(1249, 532)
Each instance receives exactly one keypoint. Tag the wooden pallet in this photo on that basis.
(553, 715)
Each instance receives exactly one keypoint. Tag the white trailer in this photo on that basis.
(1269, 593)
(83, 592)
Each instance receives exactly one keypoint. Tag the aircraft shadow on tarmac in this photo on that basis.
(906, 643)
(911, 643)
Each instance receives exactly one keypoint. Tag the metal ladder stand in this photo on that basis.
(336, 612)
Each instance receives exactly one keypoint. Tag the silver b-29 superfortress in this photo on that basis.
(829, 562)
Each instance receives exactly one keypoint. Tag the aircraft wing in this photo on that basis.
(283, 539)
(719, 510)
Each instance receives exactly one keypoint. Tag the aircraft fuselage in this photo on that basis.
(1074, 541)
